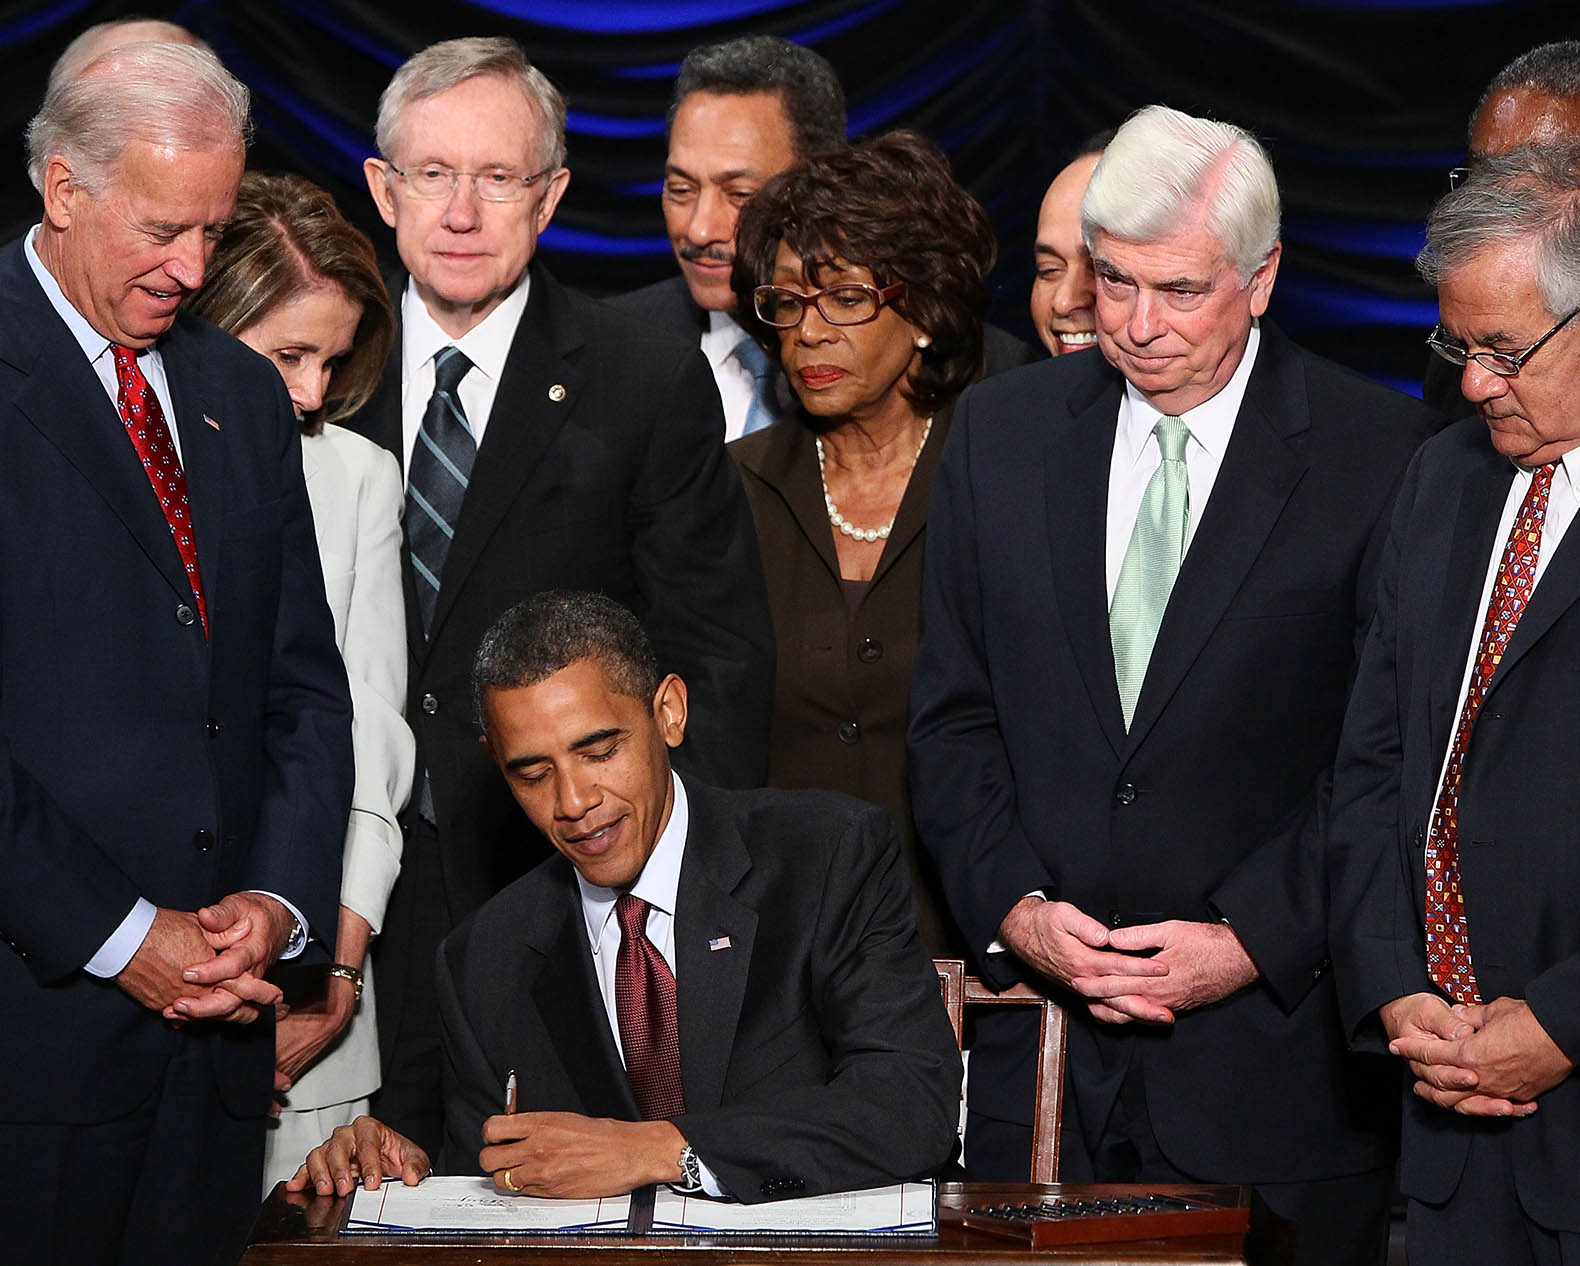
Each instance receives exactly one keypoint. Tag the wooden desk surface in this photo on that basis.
(303, 1230)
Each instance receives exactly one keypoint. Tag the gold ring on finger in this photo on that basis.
(510, 1184)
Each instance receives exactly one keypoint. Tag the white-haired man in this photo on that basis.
(1456, 907)
(548, 442)
(176, 722)
(1122, 726)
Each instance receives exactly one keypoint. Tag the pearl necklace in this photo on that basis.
(839, 520)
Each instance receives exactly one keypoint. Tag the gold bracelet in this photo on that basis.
(351, 974)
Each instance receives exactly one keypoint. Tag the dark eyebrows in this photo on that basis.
(1042, 248)
(581, 744)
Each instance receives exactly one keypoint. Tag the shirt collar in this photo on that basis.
(723, 336)
(659, 882)
(93, 343)
(1211, 422)
(486, 344)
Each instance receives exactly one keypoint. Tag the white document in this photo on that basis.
(475, 1204)
(909, 1208)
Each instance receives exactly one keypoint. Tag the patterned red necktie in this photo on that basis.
(145, 423)
(644, 996)
(1447, 934)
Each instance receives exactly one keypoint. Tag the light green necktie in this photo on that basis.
(1152, 561)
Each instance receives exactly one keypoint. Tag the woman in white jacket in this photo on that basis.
(294, 280)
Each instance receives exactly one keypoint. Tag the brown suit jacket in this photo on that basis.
(843, 675)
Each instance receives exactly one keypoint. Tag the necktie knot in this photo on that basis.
(752, 356)
(631, 913)
(450, 365)
(1172, 434)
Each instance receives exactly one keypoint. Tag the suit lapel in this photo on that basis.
(567, 997)
(1261, 467)
(1459, 612)
(549, 350)
(710, 983)
(1076, 464)
(789, 466)
(202, 451)
(62, 396)
(1555, 594)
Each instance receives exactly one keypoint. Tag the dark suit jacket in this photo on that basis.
(140, 759)
(1519, 801)
(668, 305)
(1023, 776)
(843, 682)
(622, 486)
(815, 1051)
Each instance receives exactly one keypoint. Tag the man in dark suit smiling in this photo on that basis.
(1147, 574)
(719, 989)
(175, 729)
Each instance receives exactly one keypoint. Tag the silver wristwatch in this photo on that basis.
(691, 1167)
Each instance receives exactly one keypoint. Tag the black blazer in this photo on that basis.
(1023, 776)
(668, 305)
(815, 1050)
(140, 759)
(1519, 801)
(618, 483)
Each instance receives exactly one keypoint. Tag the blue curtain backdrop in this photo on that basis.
(1362, 102)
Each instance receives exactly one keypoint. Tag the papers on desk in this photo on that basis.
(909, 1208)
(475, 1205)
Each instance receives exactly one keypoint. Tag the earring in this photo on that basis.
(924, 341)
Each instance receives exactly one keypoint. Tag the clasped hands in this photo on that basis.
(1492, 1059)
(560, 1154)
(210, 965)
(1194, 963)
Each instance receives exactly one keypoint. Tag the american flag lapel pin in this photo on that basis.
(211, 421)
(719, 942)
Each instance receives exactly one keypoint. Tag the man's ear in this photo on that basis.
(669, 709)
(376, 170)
(61, 192)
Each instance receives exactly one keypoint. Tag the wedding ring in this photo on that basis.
(510, 1184)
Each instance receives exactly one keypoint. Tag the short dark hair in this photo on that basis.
(552, 630)
(1553, 70)
(813, 100)
(891, 205)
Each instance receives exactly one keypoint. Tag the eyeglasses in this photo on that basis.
(1457, 176)
(1504, 364)
(433, 181)
(847, 304)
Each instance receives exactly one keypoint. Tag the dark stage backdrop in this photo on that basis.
(1362, 102)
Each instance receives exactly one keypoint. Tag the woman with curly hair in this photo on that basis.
(862, 272)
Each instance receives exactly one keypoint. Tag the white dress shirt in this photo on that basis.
(1563, 503)
(659, 886)
(128, 937)
(486, 345)
(1136, 457)
(734, 380)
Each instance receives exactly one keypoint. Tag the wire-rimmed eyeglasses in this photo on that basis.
(1504, 364)
(433, 181)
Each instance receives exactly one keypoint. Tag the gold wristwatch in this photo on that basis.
(351, 974)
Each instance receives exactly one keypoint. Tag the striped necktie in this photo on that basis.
(441, 467)
(1152, 563)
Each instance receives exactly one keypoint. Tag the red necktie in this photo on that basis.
(1447, 934)
(644, 996)
(145, 423)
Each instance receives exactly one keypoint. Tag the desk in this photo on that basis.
(303, 1230)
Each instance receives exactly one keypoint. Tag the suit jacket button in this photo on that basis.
(849, 732)
(1126, 794)
(203, 840)
(430, 705)
(213, 728)
(185, 614)
(870, 651)
(1420, 838)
